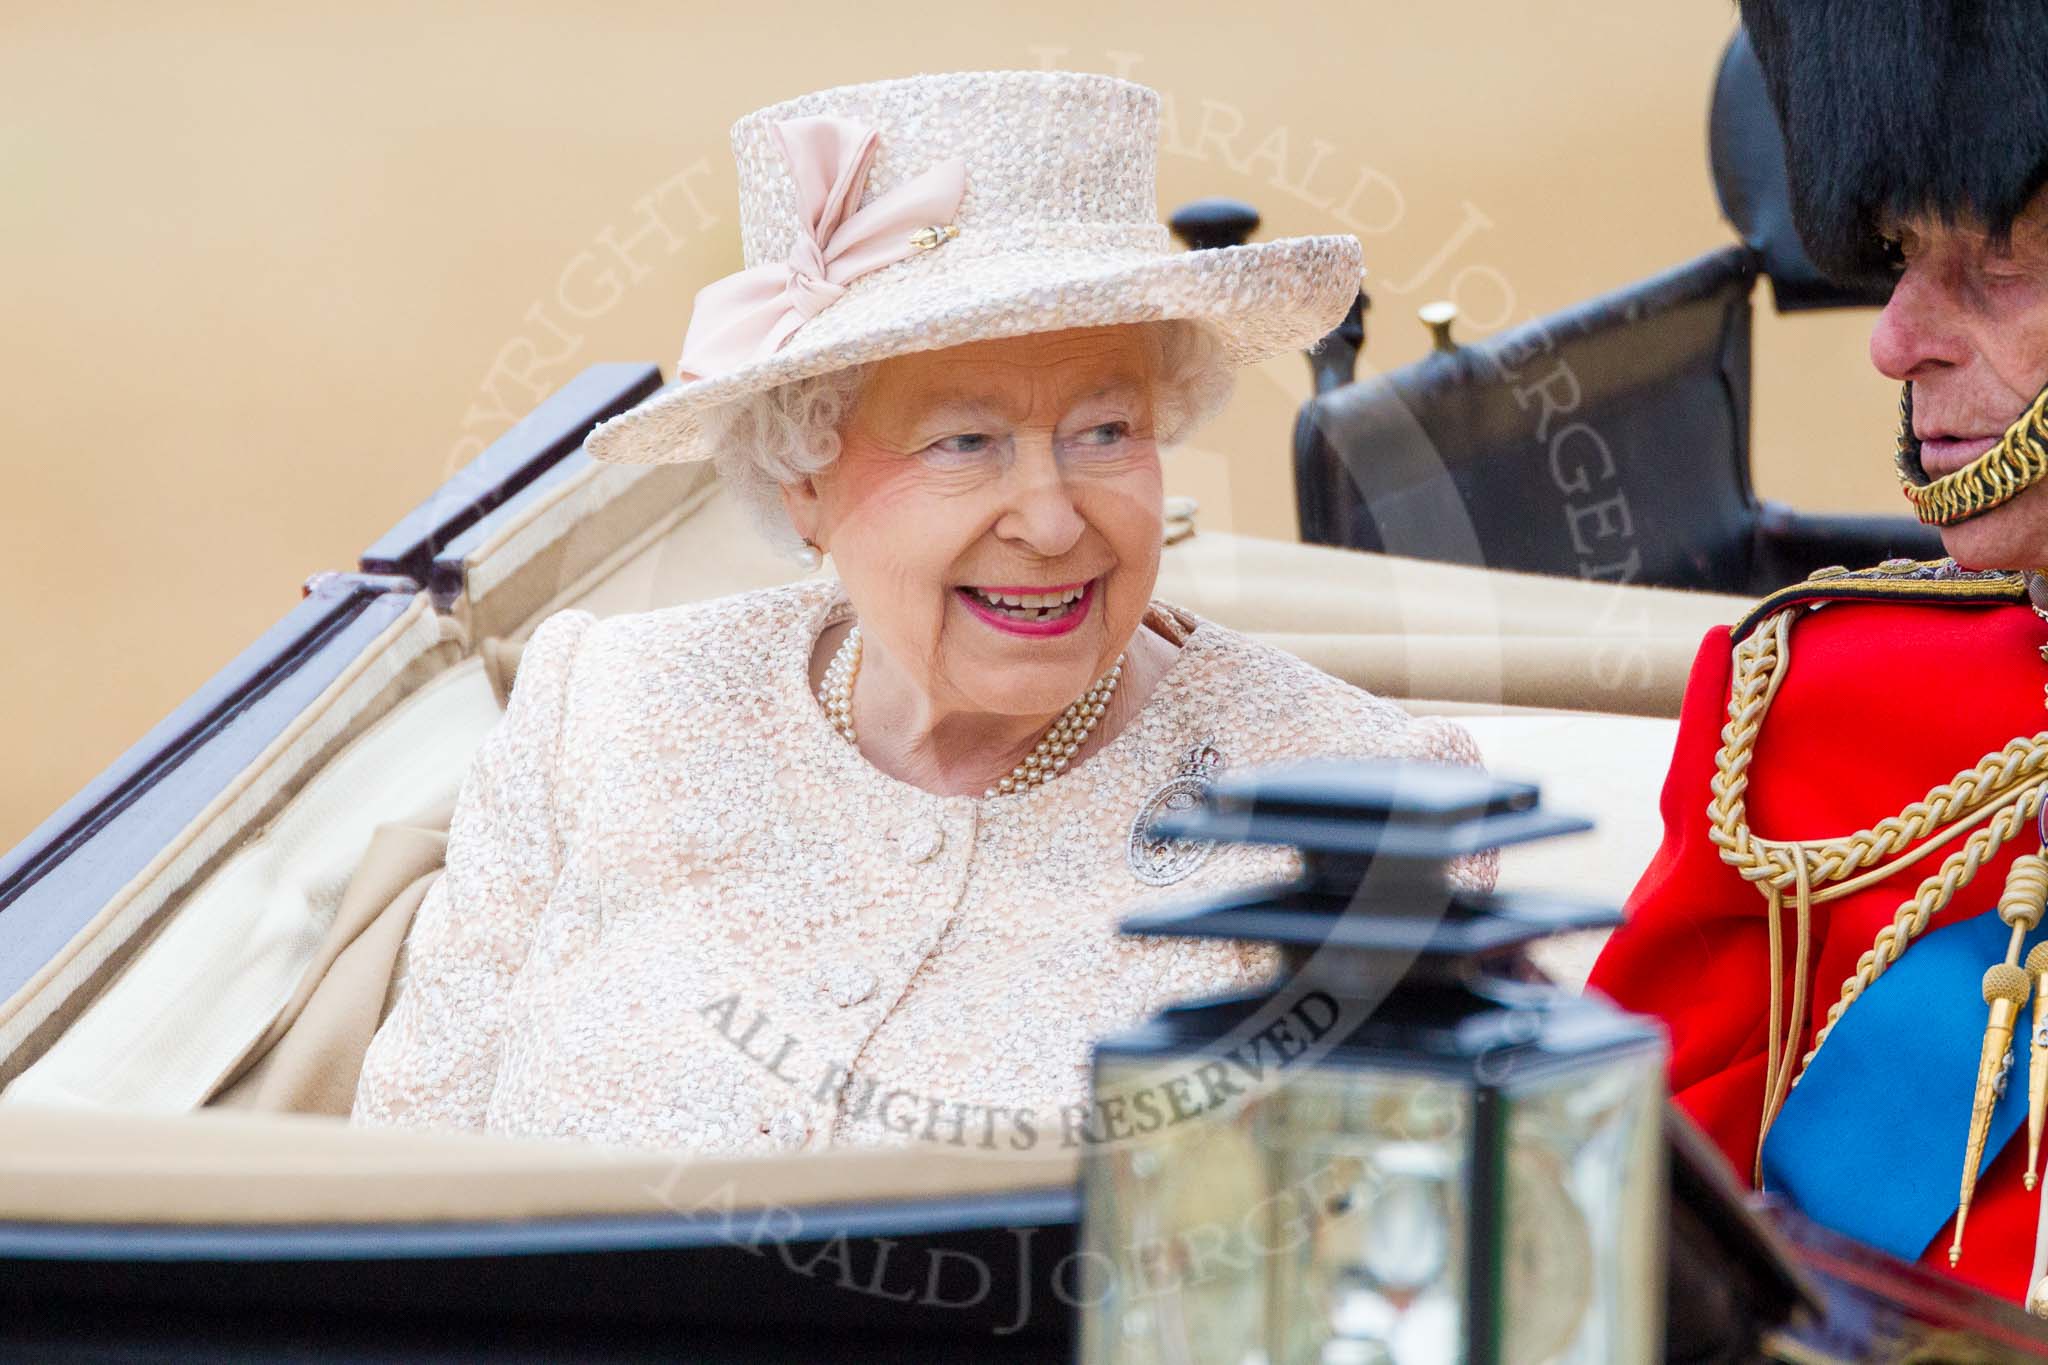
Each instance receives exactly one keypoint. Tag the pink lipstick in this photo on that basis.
(1010, 624)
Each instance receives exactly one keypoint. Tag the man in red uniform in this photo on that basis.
(1840, 925)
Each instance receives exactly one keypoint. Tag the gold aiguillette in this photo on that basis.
(2006, 988)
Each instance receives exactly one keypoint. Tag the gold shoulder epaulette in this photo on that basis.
(1895, 580)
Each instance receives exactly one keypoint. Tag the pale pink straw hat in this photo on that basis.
(915, 214)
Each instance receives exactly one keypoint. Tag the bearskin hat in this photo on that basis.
(1897, 108)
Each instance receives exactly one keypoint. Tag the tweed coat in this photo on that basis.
(681, 911)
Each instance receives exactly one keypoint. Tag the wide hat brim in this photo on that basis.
(1262, 300)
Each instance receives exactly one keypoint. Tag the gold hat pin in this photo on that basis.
(2006, 987)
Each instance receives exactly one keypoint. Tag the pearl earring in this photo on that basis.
(809, 556)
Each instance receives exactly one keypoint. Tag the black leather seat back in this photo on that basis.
(1608, 441)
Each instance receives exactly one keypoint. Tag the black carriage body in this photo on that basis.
(985, 1278)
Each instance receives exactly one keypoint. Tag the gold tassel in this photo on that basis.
(2005, 990)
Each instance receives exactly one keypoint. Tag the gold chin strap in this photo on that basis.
(2000, 474)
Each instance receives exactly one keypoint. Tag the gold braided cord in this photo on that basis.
(1991, 802)
(1759, 668)
(1779, 1073)
(2017, 462)
(1774, 1045)
(1956, 872)
(1795, 1028)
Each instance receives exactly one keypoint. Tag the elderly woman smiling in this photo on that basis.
(842, 862)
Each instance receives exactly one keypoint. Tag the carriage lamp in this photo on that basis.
(1409, 1148)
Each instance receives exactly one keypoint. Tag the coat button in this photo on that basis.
(920, 841)
(849, 982)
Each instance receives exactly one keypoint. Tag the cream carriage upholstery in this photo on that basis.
(249, 962)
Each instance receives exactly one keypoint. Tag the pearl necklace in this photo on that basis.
(1052, 754)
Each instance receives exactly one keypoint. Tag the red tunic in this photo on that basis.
(1881, 701)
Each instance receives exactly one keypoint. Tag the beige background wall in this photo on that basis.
(271, 273)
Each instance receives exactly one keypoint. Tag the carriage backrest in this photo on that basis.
(1608, 440)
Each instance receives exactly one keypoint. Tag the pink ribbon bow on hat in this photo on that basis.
(748, 316)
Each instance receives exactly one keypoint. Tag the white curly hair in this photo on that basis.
(790, 432)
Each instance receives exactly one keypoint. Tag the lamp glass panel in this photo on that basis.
(1179, 1223)
(1373, 1167)
(1582, 1262)
(1321, 1223)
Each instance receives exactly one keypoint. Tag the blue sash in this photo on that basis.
(1871, 1140)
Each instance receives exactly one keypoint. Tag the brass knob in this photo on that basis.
(1438, 317)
